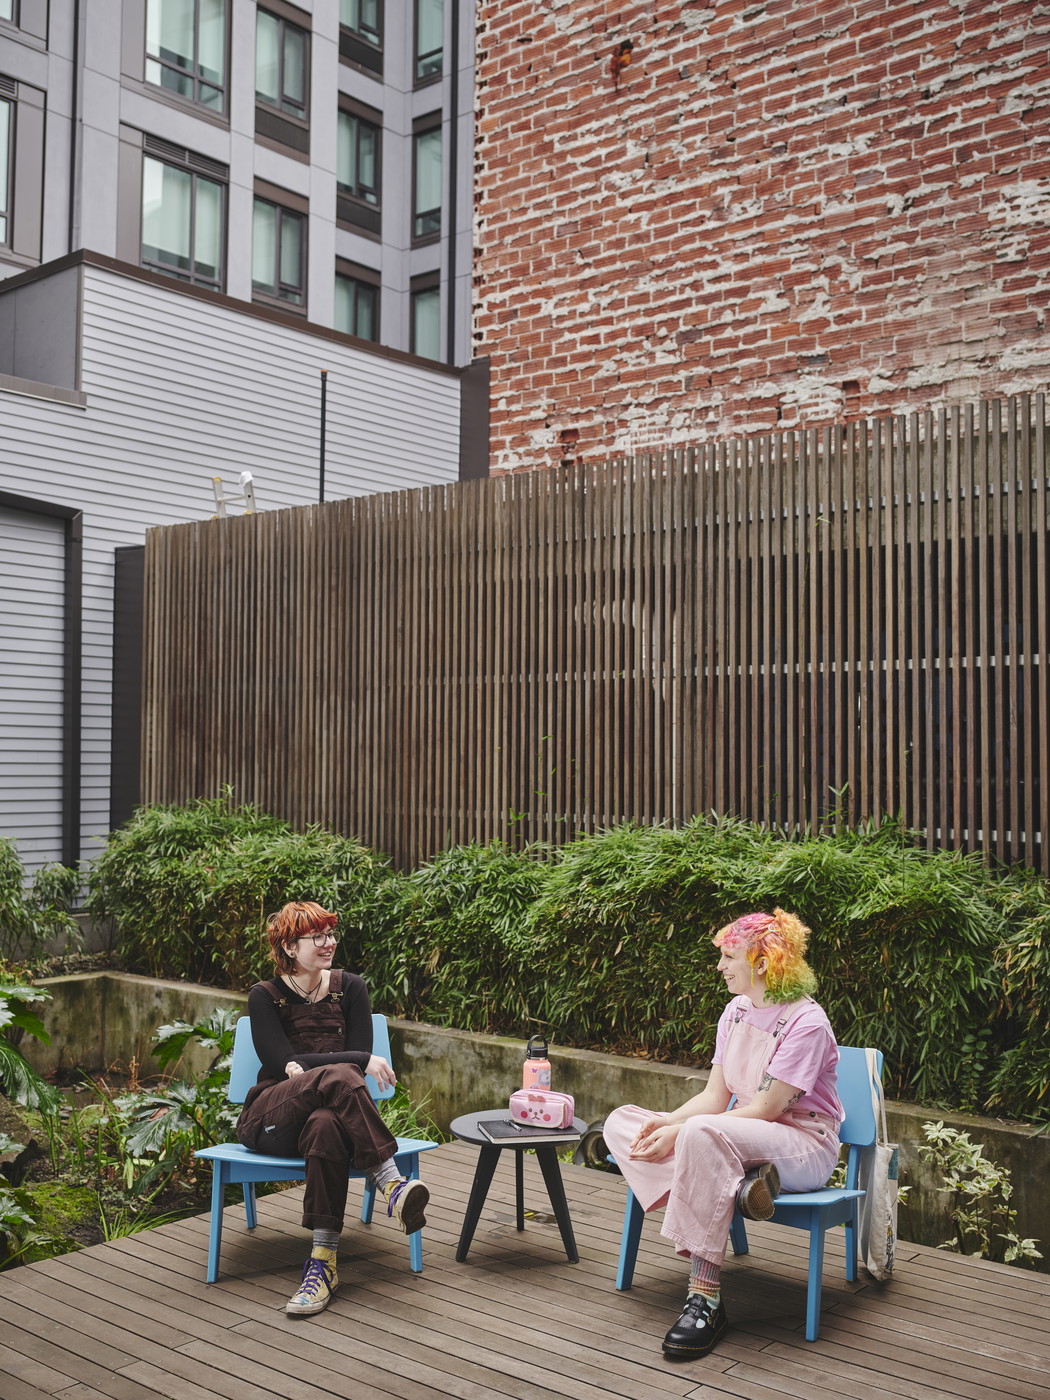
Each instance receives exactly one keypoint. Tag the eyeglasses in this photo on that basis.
(320, 939)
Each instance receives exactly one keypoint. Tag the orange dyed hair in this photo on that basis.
(296, 920)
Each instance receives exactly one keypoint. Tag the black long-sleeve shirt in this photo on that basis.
(273, 1046)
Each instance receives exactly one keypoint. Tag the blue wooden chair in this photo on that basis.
(234, 1165)
(815, 1211)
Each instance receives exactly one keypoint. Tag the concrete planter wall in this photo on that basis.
(103, 1019)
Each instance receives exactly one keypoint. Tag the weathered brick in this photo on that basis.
(807, 182)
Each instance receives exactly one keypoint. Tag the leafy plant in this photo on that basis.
(214, 1032)
(20, 1228)
(158, 1131)
(18, 1080)
(979, 1194)
(34, 912)
(456, 954)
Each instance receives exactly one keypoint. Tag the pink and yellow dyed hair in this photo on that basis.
(781, 939)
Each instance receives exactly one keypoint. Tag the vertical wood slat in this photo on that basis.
(997, 652)
(923, 668)
(744, 627)
(1014, 652)
(1024, 626)
(1040, 642)
(953, 788)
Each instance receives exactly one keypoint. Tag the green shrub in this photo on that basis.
(456, 940)
(903, 945)
(620, 936)
(1020, 1082)
(190, 888)
(605, 942)
(34, 912)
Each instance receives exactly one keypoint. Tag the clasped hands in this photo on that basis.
(655, 1140)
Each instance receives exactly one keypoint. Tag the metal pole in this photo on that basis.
(324, 402)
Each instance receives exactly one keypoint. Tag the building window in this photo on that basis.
(22, 112)
(361, 34)
(281, 58)
(365, 18)
(183, 218)
(186, 49)
(357, 306)
(357, 158)
(425, 329)
(7, 11)
(426, 183)
(278, 253)
(6, 133)
(430, 38)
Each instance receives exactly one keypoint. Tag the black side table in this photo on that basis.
(466, 1128)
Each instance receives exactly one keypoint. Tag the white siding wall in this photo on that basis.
(32, 579)
(178, 391)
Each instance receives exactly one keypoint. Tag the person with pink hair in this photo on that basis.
(775, 1060)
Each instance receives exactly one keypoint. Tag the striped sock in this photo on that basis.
(704, 1277)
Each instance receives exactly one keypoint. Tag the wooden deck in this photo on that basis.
(134, 1319)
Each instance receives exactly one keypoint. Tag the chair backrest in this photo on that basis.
(245, 1066)
(859, 1127)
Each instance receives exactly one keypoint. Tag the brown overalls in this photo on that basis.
(325, 1115)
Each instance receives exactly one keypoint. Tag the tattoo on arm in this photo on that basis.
(768, 1080)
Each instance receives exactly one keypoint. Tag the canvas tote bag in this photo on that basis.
(878, 1178)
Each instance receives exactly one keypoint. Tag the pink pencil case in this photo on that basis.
(543, 1108)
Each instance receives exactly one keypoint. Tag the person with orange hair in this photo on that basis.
(775, 1060)
(312, 1030)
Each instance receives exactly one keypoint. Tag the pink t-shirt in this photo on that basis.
(806, 1055)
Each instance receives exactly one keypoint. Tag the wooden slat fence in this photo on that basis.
(799, 627)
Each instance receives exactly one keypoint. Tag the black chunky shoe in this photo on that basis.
(761, 1187)
(697, 1330)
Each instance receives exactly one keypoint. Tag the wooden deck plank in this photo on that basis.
(889, 1360)
(840, 1377)
(414, 1361)
(29, 1353)
(135, 1320)
(168, 1356)
(29, 1367)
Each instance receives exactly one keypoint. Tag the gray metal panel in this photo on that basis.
(38, 322)
(32, 578)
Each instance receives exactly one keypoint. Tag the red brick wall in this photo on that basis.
(785, 212)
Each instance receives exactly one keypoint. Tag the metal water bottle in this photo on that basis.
(536, 1071)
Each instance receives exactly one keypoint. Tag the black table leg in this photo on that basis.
(551, 1169)
(519, 1186)
(487, 1159)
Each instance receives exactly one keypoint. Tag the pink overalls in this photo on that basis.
(698, 1182)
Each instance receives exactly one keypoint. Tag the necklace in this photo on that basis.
(306, 995)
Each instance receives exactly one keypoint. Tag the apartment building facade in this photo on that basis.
(314, 158)
(205, 204)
